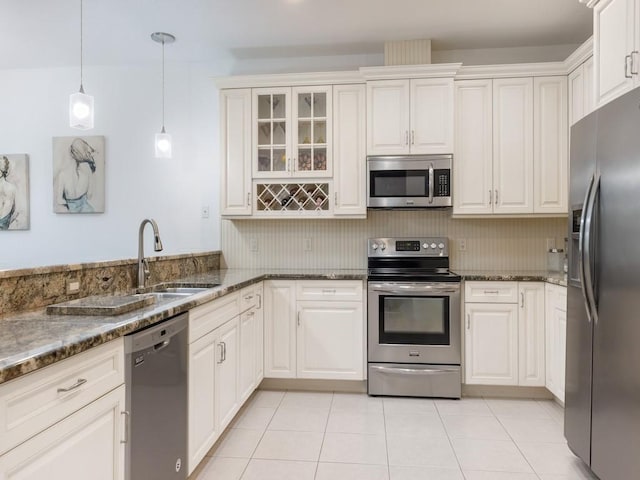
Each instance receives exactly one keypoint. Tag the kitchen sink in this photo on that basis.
(179, 291)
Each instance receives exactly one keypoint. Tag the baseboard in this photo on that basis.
(305, 384)
(506, 392)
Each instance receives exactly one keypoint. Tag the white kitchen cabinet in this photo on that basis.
(410, 116)
(226, 375)
(473, 153)
(314, 329)
(292, 132)
(531, 339)
(556, 336)
(86, 444)
(505, 336)
(330, 340)
(349, 150)
(513, 145)
(550, 149)
(247, 374)
(581, 94)
(615, 48)
(259, 319)
(280, 329)
(235, 151)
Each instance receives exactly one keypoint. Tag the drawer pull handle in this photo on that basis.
(248, 297)
(81, 381)
(259, 300)
(329, 291)
(491, 292)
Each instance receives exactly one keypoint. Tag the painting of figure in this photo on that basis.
(14, 192)
(78, 174)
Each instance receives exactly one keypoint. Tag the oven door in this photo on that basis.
(414, 322)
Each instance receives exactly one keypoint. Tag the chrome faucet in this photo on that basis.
(143, 265)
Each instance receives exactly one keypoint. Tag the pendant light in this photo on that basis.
(81, 104)
(163, 139)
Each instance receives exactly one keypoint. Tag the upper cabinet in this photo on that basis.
(581, 94)
(410, 116)
(616, 32)
(292, 132)
(510, 146)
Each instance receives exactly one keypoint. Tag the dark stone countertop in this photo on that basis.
(557, 278)
(35, 339)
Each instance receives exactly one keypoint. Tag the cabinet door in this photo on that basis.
(491, 344)
(330, 340)
(226, 376)
(613, 42)
(555, 343)
(561, 350)
(550, 132)
(387, 117)
(272, 132)
(431, 115)
(589, 93)
(202, 428)
(87, 444)
(513, 145)
(349, 150)
(259, 369)
(473, 154)
(280, 329)
(312, 131)
(531, 360)
(576, 95)
(235, 146)
(247, 352)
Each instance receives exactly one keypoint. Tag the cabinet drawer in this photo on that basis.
(329, 290)
(207, 317)
(30, 404)
(491, 292)
(248, 298)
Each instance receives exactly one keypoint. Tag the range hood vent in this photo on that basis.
(407, 52)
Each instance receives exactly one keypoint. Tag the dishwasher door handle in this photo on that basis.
(159, 346)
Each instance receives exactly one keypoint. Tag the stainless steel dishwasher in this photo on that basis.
(156, 379)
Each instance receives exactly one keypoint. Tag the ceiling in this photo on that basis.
(45, 33)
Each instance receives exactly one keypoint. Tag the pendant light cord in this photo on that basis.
(162, 86)
(81, 87)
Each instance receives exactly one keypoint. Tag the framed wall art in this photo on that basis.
(14, 192)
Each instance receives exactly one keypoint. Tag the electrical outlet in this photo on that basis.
(253, 244)
(73, 286)
(462, 244)
(205, 211)
(551, 243)
(306, 244)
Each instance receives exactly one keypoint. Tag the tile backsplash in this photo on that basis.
(491, 243)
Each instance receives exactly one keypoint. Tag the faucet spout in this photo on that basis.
(143, 266)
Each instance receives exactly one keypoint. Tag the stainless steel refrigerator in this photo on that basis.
(602, 398)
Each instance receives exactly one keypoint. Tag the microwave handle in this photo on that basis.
(431, 183)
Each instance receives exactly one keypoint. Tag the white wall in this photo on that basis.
(34, 108)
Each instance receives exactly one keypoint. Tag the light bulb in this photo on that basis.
(163, 145)
(81, 111)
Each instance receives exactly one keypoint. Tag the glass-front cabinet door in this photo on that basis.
(272, 132)
(312, 131)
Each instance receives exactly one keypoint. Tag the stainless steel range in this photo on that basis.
(414, 319)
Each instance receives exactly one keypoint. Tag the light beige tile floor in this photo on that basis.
(335, 436)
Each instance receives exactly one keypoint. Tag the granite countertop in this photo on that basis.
(35, 339)
(557, 278)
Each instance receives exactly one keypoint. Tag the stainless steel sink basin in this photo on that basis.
(179, 291)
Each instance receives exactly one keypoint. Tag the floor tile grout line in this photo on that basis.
(449, 440)
(324, 435)
(386, 440)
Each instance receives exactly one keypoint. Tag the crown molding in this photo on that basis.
(288, 79)
(582, 54)
(511, 70)
(435, 70)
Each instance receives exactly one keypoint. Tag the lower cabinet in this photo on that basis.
(314, 329)
(556, 338)
(225, 365)
(504, 339)
(86, 444)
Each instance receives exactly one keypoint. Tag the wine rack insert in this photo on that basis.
(292, 197)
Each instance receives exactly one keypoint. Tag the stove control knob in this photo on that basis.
(383, 246)
(374, 246)
(441, 246)
(433, 245)
(425, 246)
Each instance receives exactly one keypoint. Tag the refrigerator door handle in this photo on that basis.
(588, 271)
(581, 240)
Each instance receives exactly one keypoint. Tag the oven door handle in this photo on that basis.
(434, 288)
(412, 371)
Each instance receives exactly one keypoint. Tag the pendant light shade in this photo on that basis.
(163, 139)
(81, 104)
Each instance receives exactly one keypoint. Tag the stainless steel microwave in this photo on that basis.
(415, 181)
